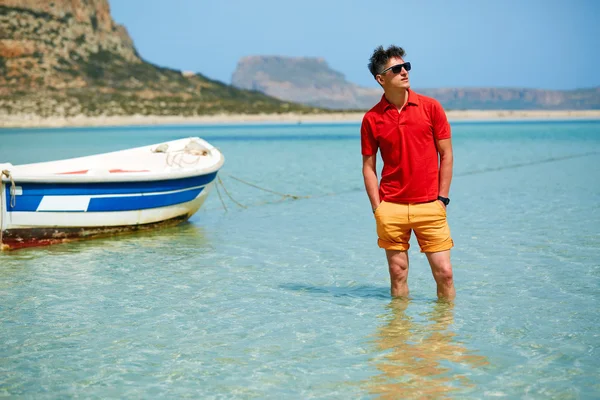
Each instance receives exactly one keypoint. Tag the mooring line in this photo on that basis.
(220, 197)
(1, 209)
(475, 172)
(527, 164)
(292, 196)
(229, 195)
(13, 190)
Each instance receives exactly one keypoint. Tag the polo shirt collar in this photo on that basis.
(413, 99)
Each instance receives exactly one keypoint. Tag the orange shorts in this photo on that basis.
(395, 222)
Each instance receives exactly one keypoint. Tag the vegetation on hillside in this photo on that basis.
(60, 66)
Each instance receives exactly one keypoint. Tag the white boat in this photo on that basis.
(105, 194)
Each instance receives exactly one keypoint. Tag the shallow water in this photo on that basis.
(290, 299)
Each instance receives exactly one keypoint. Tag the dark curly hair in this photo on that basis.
(380, 57)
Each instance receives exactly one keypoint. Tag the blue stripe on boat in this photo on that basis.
(33, 193)
(23, 203)
(95, 188)
(105, 204)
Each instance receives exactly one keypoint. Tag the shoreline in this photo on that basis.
(34, 121)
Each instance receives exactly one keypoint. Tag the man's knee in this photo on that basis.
(443, 272)
(398, 269)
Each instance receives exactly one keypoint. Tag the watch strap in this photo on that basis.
(444, 200)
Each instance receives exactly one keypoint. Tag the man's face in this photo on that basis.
(391, 79)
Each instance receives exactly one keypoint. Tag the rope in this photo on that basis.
(291, 196)
(13, 199)
(1, 209)
(220, 198)
(176, 157)
(227, 193)
(467, 173)
(13, 189)
(526, 164)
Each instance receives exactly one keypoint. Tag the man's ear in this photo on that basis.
(379, 79)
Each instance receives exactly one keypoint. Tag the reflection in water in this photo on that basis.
(184, 237)
(418, 355)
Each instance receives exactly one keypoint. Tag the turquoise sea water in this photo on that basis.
(290, 298)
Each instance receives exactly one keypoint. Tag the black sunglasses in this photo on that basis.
(396, 69)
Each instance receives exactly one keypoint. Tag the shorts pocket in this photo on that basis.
(378, 208)
(440, 206)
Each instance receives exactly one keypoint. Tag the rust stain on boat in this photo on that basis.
(13, 239)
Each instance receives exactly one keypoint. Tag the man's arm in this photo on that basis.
(370, 177)
(444, 147)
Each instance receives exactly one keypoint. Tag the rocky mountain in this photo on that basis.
(311, 81)
(305, 80)
(68, 57)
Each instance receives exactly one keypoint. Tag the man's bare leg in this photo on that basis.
(398, 266)
(441, 267)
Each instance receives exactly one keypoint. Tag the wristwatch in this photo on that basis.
(444, 200)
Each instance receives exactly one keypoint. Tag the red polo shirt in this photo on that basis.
(408, 148)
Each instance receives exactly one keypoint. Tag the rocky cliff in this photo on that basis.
(312, 81)
(68, 57)
(54, 43)
(305, 80)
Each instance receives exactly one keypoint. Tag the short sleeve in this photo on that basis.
(441, 127)
(368, 142)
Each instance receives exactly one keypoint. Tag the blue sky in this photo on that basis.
(545, 44)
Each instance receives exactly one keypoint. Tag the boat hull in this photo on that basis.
(40, 214)
(14, 239)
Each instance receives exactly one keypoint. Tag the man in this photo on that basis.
(413, 134)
